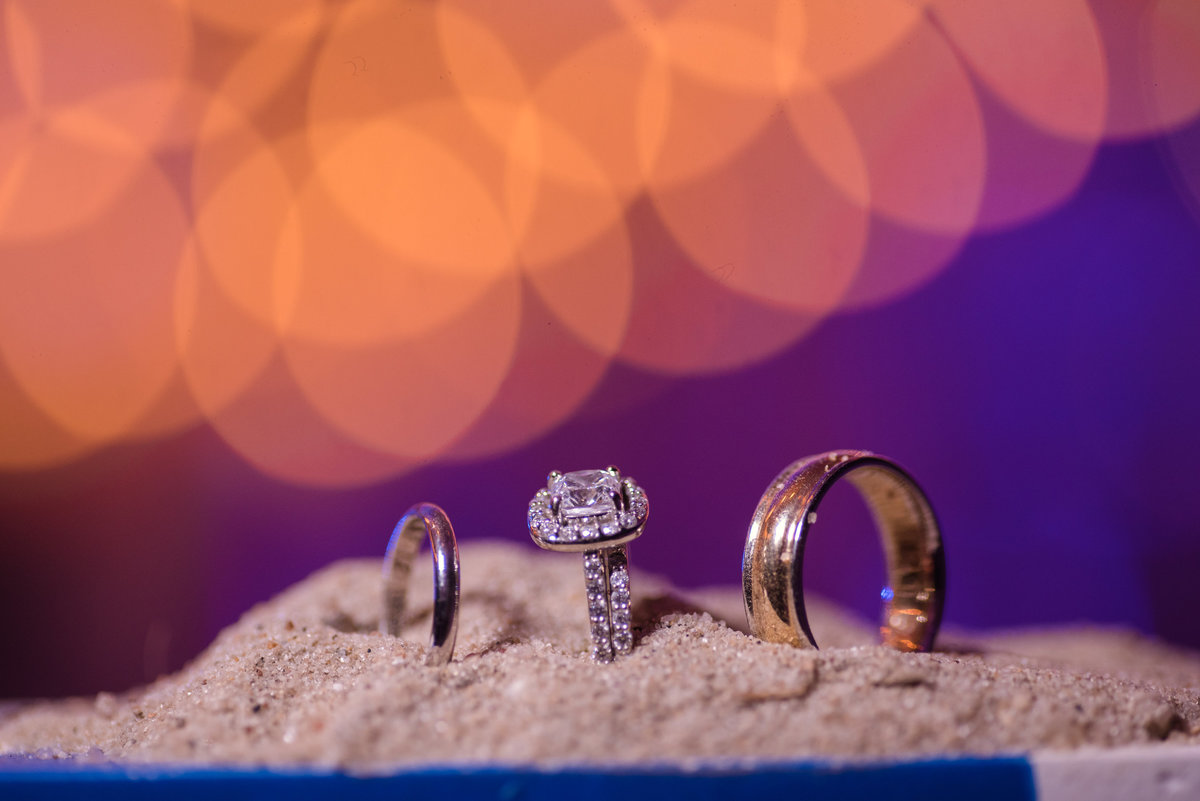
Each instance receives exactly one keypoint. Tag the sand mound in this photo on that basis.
(307, 678)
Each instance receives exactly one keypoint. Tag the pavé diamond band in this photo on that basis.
(424, 519)
(596, 512)
(772, 564)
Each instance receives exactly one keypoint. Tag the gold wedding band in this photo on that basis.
(772, 564)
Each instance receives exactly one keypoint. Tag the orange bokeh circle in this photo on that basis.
(399, 351)
(786, 236)
(86, 320)
(1153, 53)
(1045, 60)
(919, 128)
(413, 398)
(255, 18)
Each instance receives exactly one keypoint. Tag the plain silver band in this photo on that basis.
(419, 521)
(772, 563)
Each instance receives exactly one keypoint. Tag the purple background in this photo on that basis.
(1042, 388)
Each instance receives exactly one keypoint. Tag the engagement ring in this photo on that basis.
(596, 512)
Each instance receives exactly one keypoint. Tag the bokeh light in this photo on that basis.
(279, 220)
(86, 318)
(1152, 57)
(272, 270)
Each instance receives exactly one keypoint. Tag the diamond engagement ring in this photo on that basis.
(772, 564)
(596, 512)
(424, 519)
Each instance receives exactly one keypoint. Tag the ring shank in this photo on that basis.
(772, 566)
(421, 521)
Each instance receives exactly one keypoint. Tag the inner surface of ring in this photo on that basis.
(403, 552)
(844, 569)
(912, 549)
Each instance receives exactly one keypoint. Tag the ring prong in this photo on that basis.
(552, 476)
(613, 470)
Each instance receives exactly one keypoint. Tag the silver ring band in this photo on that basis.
(606, 573)
(772, 563)
(424, 519)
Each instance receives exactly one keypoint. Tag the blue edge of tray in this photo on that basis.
(978, 779)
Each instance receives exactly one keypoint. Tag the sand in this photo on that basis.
(307, 679)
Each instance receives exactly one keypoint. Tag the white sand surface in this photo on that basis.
(306, 678)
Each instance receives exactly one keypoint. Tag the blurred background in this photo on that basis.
(271, 272)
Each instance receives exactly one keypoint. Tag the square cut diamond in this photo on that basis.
(585, 493)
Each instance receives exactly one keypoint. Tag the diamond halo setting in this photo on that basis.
(585, 509)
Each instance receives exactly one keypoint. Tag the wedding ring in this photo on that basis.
(596, 512)
(424, 519)
(772, 564)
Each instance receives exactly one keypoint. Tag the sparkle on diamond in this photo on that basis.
(585, 493)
